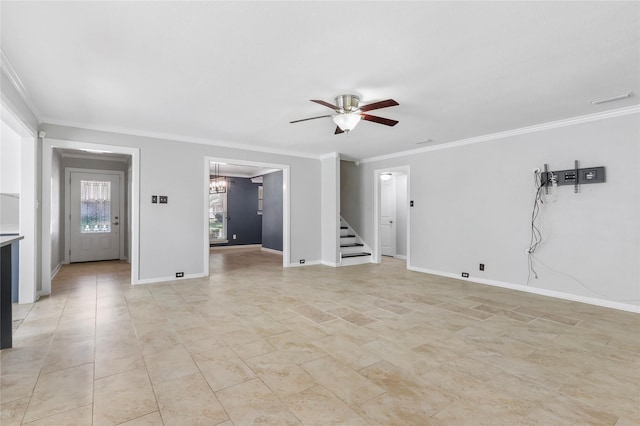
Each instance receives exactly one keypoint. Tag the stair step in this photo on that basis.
(347, 255)
(352, 245)
(347, 236)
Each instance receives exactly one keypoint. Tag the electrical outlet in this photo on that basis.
(164, 199)
(482, 266)
(302, 261)
(411, 203)
(179, 274)
(154, 199)
(234, 236)
(465, 275)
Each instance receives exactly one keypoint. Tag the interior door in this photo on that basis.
(94, 217)
(387, 217)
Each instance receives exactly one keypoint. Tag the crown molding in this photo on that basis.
(16, 82)
(329, 155)
(177, 138)
(633, 109)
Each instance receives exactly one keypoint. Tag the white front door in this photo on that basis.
(387, 217)
(94, 217)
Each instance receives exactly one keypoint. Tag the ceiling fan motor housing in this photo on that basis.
(347, 103)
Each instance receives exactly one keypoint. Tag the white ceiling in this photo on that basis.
(236, 73)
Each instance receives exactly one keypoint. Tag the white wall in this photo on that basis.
(473, 205)
(330, 218)
(9, 160)
(171, 235)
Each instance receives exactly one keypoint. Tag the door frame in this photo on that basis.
(67, 207)
(134, 208)
(286, 204)
(377, 250)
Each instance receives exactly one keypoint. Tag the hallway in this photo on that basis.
(360, 345)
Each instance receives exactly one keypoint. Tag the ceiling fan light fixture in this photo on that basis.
(347, 121)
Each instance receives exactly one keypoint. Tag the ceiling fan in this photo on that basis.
(349, 113)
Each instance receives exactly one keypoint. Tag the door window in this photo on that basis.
(95, 206)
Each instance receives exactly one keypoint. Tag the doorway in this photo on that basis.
(51, 211)
(230, 220)
(391, 213)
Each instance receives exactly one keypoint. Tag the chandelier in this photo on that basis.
(217, 184)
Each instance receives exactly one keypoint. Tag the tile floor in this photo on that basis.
(361, 345)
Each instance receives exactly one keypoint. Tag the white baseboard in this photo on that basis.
(400, 256)
(307, 263)
(56, 270)
(332, 264)
(165, 279)
(268, 250)
(239, 246)
(540, 291)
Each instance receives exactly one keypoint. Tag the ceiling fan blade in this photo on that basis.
(378, 105)
(379, 120)
(338, 130)
(327, 104)
(307, 119)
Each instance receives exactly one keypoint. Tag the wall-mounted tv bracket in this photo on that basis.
(575, 177)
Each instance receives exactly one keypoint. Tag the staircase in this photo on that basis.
(353, 251)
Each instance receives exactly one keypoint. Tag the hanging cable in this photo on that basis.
(536, 234)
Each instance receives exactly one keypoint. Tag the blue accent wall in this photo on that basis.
(242, 213)
(272, 211)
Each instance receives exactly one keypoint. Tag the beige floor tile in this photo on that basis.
(352, 316)
(253, 403)
(280, 373)
(18, 381)
(314, 314)
(391, 307)
(348, 351)
(393, 410)
(151, 419)
(61, 391)
(297, 348)
(123, 397)
(346, 384)
(405, 395)
(511, 412)
(12, 412)
(168, 364)
(318, 406)
(78, 416)
(181, 320)
(222, 368)
(108, 365)
(252, 348)
(64, 354)
(189, 401)
(199, 339)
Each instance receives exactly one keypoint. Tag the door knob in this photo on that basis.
(390, 221)
(115, 223)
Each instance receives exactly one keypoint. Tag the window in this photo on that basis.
(218, 217)
(95, 206)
